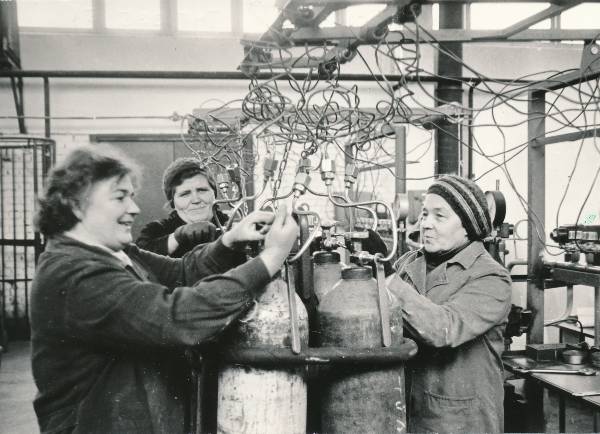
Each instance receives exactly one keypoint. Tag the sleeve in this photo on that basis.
(154, 238)
(482, 303)
(202, 261)
(108, 306)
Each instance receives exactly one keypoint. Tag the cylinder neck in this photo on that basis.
(357, 273)
(326, 257)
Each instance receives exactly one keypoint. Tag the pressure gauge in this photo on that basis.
(496, 207)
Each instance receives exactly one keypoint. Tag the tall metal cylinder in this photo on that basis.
(361, 398)
(327, 271)
(252, 400)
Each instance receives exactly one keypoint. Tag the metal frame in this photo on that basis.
(423, 116)
(306, 15)
(19, 243)
(536, 197)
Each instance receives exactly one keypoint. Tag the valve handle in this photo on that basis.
(384, 308)
(293, 312)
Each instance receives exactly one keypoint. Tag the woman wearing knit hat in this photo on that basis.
(455, 301)
(191, 193)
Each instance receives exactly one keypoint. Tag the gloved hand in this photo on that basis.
(374, 244)
(193, 234)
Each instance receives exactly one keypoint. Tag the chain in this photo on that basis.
(282, 166)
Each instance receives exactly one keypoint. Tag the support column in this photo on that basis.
(536, 198)
(448, 153)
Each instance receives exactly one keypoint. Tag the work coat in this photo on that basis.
(108, 339)
(456, 313)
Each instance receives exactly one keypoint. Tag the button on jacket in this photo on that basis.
(457, 313)
(108, 339)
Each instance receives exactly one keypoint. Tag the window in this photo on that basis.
(69, 14)
(259, 15)
(493, 16)
(583, 16)
(356, 16)
(196, 16)
(133, 14)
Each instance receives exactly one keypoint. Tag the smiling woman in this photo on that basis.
(110, 322)
(191, 192)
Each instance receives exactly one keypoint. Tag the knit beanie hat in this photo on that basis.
(468, 202)
(189, 167)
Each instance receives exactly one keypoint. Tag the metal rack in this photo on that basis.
(537, 269)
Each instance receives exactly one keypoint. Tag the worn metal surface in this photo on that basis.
(253, 400)
(367, 398)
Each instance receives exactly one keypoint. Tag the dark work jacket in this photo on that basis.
(456, 314)
(154, 236)
(107, 340)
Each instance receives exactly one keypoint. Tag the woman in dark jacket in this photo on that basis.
(455, 301)
(191, 192)
(110, 322)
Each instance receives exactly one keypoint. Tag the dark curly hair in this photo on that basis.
(69, 182)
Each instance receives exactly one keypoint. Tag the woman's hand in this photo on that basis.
(253, 227)
(279, 241)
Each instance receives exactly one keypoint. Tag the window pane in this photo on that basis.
(494, 16)
(585, 16)
(356, 16)
(329, 21)
(73, 14)
(259, 15)
(133, 14)
(196, 16)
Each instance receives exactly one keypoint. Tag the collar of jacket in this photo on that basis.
(417, 268)
(71, 246)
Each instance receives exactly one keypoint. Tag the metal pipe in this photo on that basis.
(374, 202)
(242, 201)
(47, 107)
(227, 75)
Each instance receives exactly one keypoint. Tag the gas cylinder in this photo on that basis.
(327, 271)
(257, 400)
(361, 398)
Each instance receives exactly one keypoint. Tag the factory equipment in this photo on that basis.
(577, 239)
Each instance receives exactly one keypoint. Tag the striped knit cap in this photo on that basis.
(468, 202)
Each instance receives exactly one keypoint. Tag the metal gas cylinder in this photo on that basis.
(327, 271)
(257, 400)
(361, 398)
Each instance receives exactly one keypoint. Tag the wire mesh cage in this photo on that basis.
(24, 163)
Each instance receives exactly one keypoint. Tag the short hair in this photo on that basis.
(180, 170)
(69, 181)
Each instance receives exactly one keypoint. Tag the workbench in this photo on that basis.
(565, 385)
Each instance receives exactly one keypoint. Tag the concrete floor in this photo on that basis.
(17, 391)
